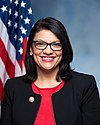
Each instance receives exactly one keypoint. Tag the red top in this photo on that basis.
(45, 114)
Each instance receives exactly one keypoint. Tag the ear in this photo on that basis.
(31, 52)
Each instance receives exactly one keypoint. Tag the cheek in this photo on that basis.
(59, 54)
(59, 57)
(36, 52)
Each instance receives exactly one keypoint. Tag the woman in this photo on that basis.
(50, 93)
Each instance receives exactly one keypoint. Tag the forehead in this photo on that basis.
(45, 35)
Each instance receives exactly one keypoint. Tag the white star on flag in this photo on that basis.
(4, 8)
(29, 11)
(23, 4)
(27, 20)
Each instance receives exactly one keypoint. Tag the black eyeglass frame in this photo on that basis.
(50, 44)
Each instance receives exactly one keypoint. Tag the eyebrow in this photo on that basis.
(46, 41)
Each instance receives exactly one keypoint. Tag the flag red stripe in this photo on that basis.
(9, 66)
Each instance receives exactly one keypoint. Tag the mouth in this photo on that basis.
(47, 58)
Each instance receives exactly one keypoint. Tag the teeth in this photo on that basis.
(47, 58)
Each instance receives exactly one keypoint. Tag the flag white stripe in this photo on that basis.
(18, 70)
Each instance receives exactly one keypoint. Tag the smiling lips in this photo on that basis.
(47, 58)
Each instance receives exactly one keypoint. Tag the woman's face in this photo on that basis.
(47, 58)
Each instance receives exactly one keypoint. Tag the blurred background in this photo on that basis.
(82, 21)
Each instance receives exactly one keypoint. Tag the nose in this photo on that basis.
(48, 50)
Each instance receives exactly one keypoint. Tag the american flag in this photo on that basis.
(15, 23)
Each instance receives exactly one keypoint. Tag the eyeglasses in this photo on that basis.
(41, 45)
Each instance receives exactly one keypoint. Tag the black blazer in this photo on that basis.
(77, 103)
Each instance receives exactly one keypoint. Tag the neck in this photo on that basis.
(46, 79)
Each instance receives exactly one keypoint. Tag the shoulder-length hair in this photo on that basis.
(56, 27)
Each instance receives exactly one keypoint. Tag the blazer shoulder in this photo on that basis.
(83, 81)
(82, 76)
(16, 82)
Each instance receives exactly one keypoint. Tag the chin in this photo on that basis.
(50, 68)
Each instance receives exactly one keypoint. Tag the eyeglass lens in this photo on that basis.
(43, 45)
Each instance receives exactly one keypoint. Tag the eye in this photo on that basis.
(57, 44)
(40, 43)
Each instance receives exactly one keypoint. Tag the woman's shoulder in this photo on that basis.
(16, 82)
(82, 76)
(15, 79)
(83, 81)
